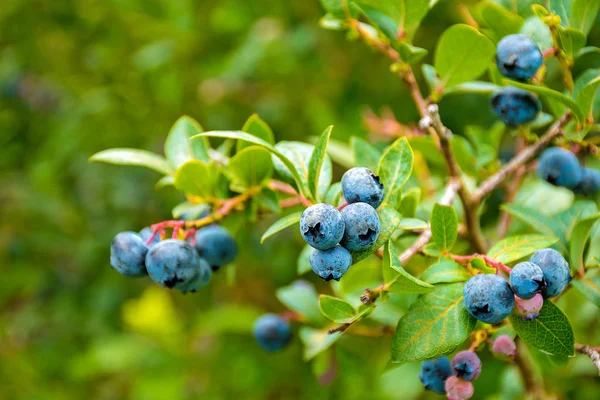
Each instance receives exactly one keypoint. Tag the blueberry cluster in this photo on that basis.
(490, 298)
(355, 227)
(272, 332)
(519, 58)
(173, 263)
(560, 167)
(452, 378)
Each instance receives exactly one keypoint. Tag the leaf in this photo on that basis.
(196, 178)
(135, 157)
(571, 40)
(251, 166)
(191, 208)
(444, 227)
(411, 54)
(333, 195)
(499, 19)
(365, 155)
(589, 287)
(390, 219)
(256, 127)
(303, 263)
(563, 9)
(316, 341)
(411, 224)
(335, 309)
(165, 181)
(340, 153)
(514, 248)
(464, 154)
(316, 162)
(579, 237)
(411, 12)
(462, 54)
(445, 271)
(301, 297)
(583, 14)
(179, 149)
(410, 202)
(585, 91)
(281, 224)
(435, 325)
(550, 332)
(472, 87)
(396, 277)
(395, 167)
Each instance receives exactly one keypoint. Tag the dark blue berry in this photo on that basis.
(557, 273)
(590, 182)
(146, 233)
(128, 254)
(272, 332)
(332, 263)
(362, 226)
(361, 185)
(518, 57)
(488, 298)
(321, 226)
(559, 167)
(526, 280)
(434, 373)
(515, 106)
(216, 246)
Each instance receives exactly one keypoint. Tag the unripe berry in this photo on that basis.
(529, 309)
(458, 389)
(504, 347)
(467, 365)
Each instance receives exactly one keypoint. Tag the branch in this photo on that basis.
(489, 261)
(591, 353)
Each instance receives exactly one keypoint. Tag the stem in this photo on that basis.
(489, 261)
(532, 385)
(591, 352)
(341, 207)
(511, 192)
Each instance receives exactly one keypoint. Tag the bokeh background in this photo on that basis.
(79, 76)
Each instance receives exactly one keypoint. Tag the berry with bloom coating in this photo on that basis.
(559, 167)
(590, 182)
(504, 347)
(332, 263)
(434, 373)
(467, 365)
(556, 271)
(529, 309)
(488, 298)
(458, 389)
(216, 246)
(515, 106)
(321, 226)
(272, 332)
(526, 280)
(146, 233)
(518, 57)
(202, 278)
(361, 185)
(361, 226)
(128, 254)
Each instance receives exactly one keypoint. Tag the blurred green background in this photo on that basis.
(79, 76)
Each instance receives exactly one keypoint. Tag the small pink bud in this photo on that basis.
(458, 389)
(504, 347)
(529, 309)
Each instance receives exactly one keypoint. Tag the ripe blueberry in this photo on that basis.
(590, 182)
(146, 233)
(332, 263)
(321, 226)
(488, 298)
(515, 106)
(434, 373)
(272, 332)
(361, 185)
(526, 280)
(529, 309)
(518, 57)
(458, 389)
(467, 365)
(175, 264)
(504, 347)
(128, 254)
(361, 226)
(559, 167)
(216, 246)
(556, 271)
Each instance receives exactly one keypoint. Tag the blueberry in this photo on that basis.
(145, 235)
(362, 185)
(272, 332)
(467, 365)
(518, 57)
(332, 263)
(128, 254)
(529, 309)
(526, 280)
(515, 106)
(504, 347)
(458, 389)
(321, 226)
(175, 264)
(559, 167)
(488, 298)
(556, 271)
(590, 182)
(361, 226)
(434, 373)
(216, 246)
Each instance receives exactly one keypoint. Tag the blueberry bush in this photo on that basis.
(455, 250)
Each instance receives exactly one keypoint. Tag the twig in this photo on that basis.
(511, 192)
(489, 261)
(591, 353)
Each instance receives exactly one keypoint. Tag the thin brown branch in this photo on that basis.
(511, 191)
(591, 352)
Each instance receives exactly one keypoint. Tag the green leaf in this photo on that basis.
(571, 40)
(190, 208)
(411, 224)
(472, 87)
(268, 198)
(135, 157)
(462, 54)
(563, 9)
(390, 219)
(410, 202)
(251, 166)
(551, 94)
(583, 14)
(256, 127)
(445, 271)
(303, 263)
(316, 163)
(435, 325)
(335, 309)
(411, 12)
(196, 178)
(365, 155)
(281, 224)
(167, 180)
(514, 248)
(396, 277)
(539, 32)
(444, 227)
(316, 341)
(411, 54)
(579, 237)
(464, 154)
(334, 195)
(179, 149)
(585, 91)
(301, 297)
(431, 78)
(498, 18)
(550, 332)
(340, 153)
(589, 287)
(395, 167)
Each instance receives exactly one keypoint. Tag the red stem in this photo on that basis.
(340, 208)
(489, 261)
